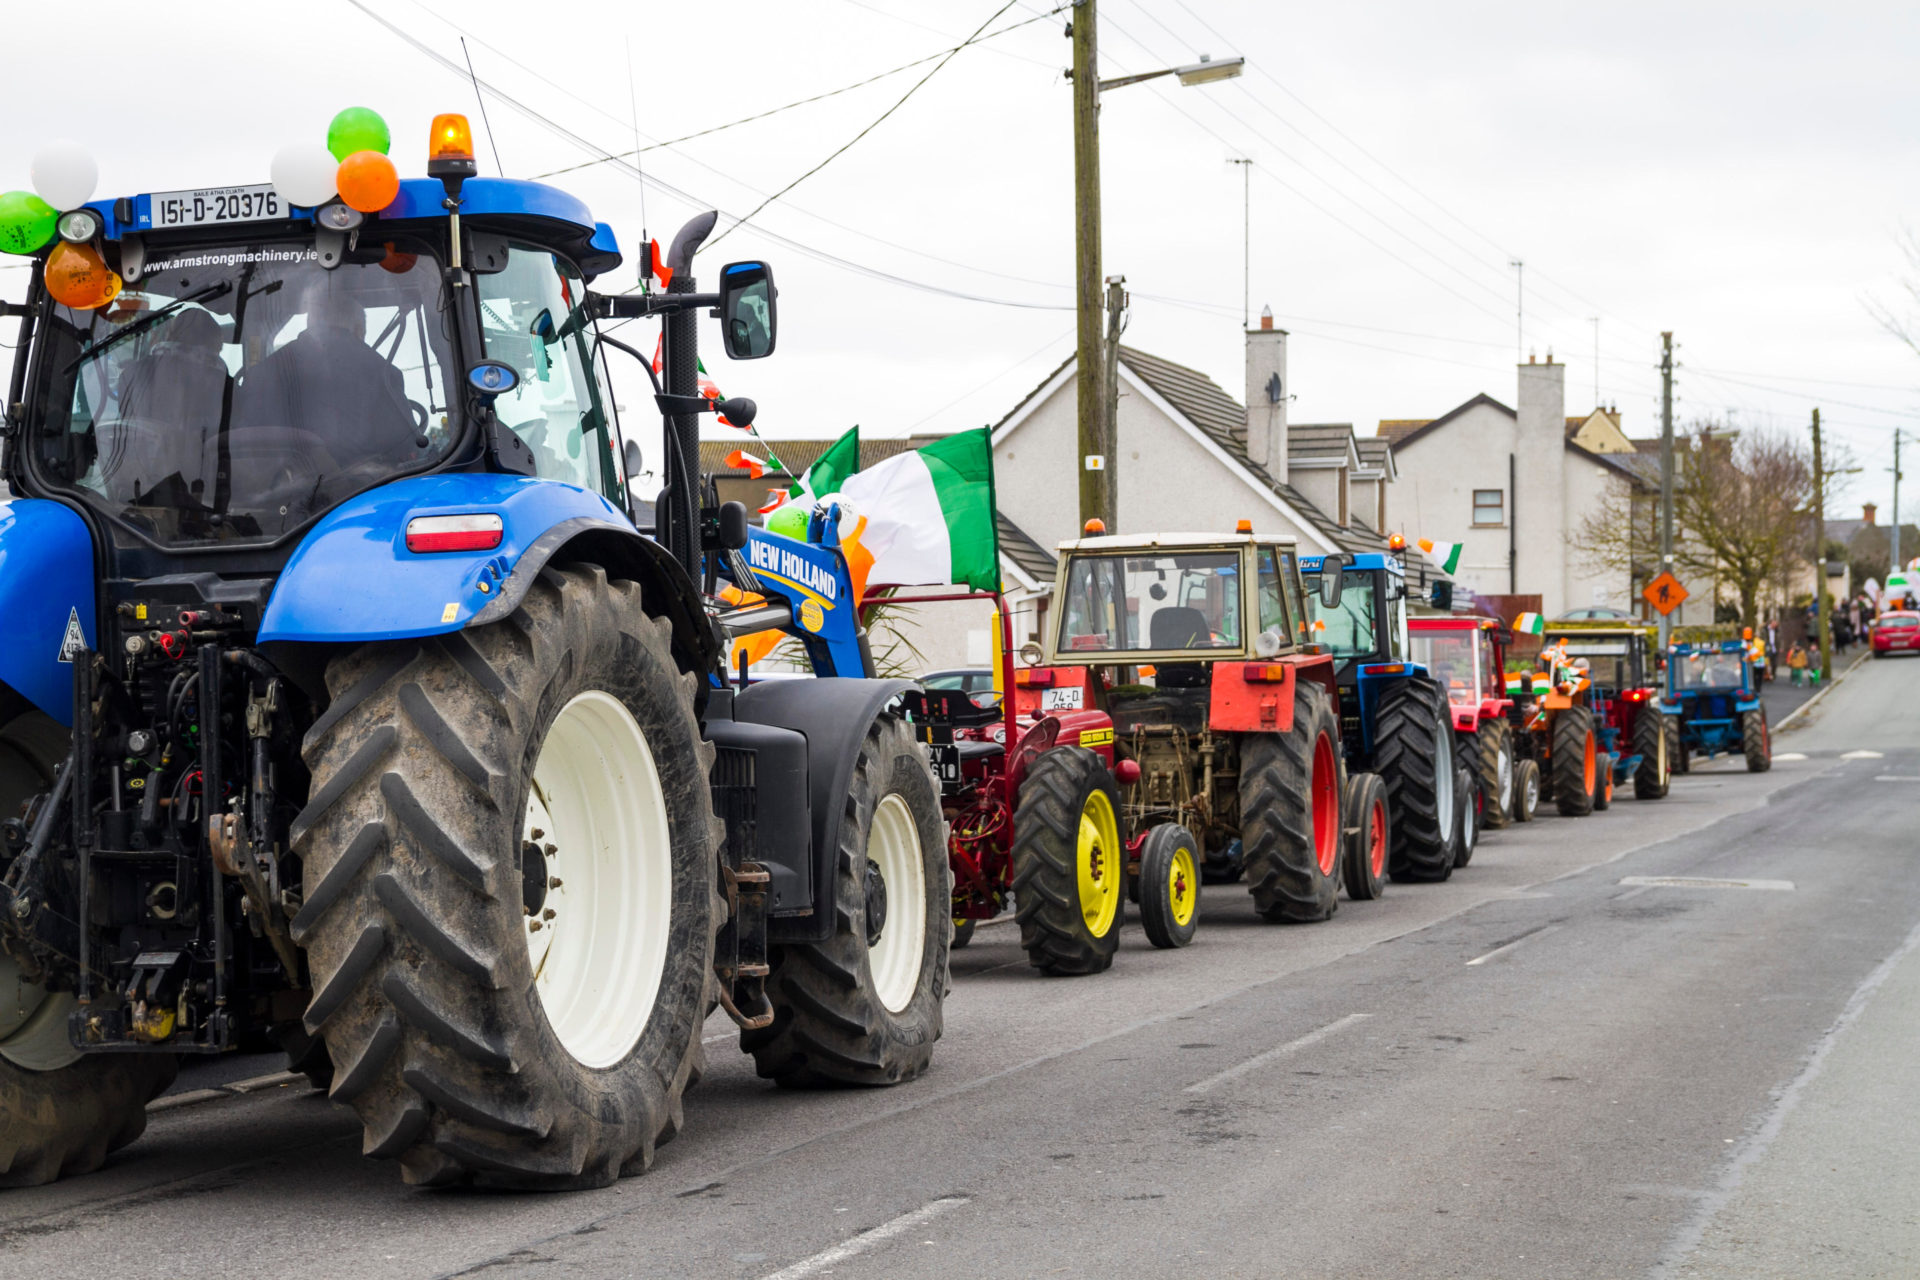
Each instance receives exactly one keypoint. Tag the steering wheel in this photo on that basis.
(420, 416)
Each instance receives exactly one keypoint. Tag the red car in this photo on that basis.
(1896, 632)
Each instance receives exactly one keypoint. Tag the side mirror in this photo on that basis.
(729, 529)
(747, 313)
(1331, 580)
(632, 459)
(1442, 597)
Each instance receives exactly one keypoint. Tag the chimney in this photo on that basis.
(1539, 497)
(1869, 511)
(1267, 396)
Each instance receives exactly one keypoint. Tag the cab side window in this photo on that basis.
(1271, 587)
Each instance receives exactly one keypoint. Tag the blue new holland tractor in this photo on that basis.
(354, 705)
(1396, 728)
(1714, 702)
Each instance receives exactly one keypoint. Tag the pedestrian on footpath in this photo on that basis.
(1796, 664)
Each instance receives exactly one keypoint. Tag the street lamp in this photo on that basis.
(1097, 446)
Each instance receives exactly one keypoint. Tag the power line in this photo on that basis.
(848, 144)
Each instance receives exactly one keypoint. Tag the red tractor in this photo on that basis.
(1466, 655)
(1090, 785)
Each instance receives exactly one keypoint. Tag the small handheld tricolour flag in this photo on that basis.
(1531, 624)
(1444, 554)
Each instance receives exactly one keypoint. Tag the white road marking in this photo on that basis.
(1789, 755)
(1755, 1144)
(188, 1099)
(233, 1089)
(1528, 936)
(866, 1241)
(1261, 1059)
(1896, 777)
(1706, 882)
(273, 1081)
(1863, 755)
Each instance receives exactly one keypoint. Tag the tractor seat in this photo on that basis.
(1180, 628)
(979, 750)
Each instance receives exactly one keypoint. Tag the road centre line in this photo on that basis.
(1291, 1046)
(276, 1080)
(1705, 882)
(1505, 947)
(1896, 777)
(866, 1241)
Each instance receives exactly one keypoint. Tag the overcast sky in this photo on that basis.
(1735, 172)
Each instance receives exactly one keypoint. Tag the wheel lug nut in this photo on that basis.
(549, 849)
(535, 834)
(553, 882)
(535, 927)
(547, 914)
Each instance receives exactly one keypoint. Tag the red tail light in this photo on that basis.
(454, 533)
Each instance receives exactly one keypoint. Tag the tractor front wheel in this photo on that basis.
(1650, 741)
(1369, 835)
(1290, 812)
(1575, 762)
(1170, 886)
(863, 1007)
(1069, 865)
(1466, 787)
(1756, 739)
(1413, 734)
(1494, 743)
(1526, 790)
(511, 890)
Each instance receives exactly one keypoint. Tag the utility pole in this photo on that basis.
(1820, 554)
(1519, 308)
(1666, 473)
(1096, 478)
(1117, 299)
(1246, 239)
(1896, 498)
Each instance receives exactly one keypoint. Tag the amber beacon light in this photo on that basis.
(450, 151)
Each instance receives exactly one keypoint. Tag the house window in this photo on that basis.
(1489, 506)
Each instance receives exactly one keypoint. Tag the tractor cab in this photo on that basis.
(1618, 664)
(1715, 701)
(1465, 657)
(1362, 623)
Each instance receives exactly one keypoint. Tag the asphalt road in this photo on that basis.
(1545, 1067)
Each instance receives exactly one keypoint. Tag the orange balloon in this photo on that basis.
(79, 278)
(367, 181)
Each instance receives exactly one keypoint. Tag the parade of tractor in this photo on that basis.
(360, 707)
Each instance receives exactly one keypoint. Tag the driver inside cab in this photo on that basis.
(329, 383)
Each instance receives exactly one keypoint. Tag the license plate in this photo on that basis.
(211, 205)
(1061, 699)
(946, 762)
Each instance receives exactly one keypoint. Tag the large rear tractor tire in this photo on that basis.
(1413, 754)
(1369, 834)
(511, 890)
(1290, 812)
(1756, 739)
(1651, 741)
(1494, 749)
(1069, 864)
(1575, 762)
(1170, 886)
(61, 1112)
(864, 1007)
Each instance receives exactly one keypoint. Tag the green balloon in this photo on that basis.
(358, 129)
(789, 521)
(26, 222)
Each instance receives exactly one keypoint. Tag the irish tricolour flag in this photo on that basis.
(925, 518)
(1444, 554)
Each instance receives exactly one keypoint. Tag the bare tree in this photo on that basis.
(1902, 318)
(1740, 511)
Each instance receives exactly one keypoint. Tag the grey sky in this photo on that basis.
(1734, 172)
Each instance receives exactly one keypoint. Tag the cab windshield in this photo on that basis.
(1151, 603)
(1692, 671)
(1450, 657)
(234, 392)
(1610, 663)
(1350, 625)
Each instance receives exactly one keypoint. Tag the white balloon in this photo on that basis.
(65, 174)
(305, 173)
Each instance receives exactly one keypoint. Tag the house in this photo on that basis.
(1513, 486)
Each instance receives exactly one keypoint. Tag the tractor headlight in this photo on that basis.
(79, 227)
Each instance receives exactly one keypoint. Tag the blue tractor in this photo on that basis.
(354, 705)
(1714, 703)
(1395, 723)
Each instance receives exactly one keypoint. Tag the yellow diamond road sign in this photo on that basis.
(1664, 593)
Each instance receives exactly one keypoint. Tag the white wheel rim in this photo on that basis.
(600, 949)
(1503, 771)
(893, 845)
(33, 1024)
(1443, 784)
(1469, 827)
(1531, 795)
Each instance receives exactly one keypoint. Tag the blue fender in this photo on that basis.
(353, 579)
(46, 586)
